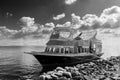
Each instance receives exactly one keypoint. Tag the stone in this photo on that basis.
(42, 77)
(59, 69)
(54, 77)
(75, 73)
(62, 78)
(67, 74)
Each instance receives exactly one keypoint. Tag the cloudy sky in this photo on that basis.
(30, 22)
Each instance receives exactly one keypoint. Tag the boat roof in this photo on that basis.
(74, 34)
(80, 38)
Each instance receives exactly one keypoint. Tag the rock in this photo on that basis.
(107, 78)
(62, 78)
(75, 73)
(59, 69)
(42, 77)
(59, 73)
(50, 72)
(95, 70)
(29, 79)
(78, 78)
(67, 74)
(54, 77)
(87, 77)
(48, 77)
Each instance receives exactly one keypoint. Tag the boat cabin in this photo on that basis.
(63, 42)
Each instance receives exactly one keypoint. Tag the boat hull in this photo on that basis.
(51, 61)
(62, 60)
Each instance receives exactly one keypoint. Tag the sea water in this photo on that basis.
(14, 63)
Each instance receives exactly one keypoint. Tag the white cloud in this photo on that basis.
(6, 33)
(60, 16)
(108, 21)
(28, 25)
(90, 19)
(66, 24)
(48, 28)
(76, 21)
(27, 21)
(69, 2)
(111, 16)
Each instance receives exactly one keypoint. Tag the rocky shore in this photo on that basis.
(94, 70)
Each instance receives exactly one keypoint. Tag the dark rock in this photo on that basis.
(62, 78)
(59, 73)
(67, 74)
(54, 77)
(75, 73)
(78, 78)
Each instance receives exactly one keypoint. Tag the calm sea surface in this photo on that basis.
(14, 63)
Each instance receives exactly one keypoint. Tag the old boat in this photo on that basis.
(68, 46)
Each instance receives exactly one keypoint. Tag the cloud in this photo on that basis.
(30, 29)
(69, 2)
(48, 28)
(27, 21)
(66, 24)
(29, 25)
(109, 18)
(109, 21)
(58, 17)
(76, 21)
(6, 33)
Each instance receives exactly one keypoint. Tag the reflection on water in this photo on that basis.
(13, 61)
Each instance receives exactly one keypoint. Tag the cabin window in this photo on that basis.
(53, 50)
(87, 50)
(66, 50)
(70, 50)
(62, 50)
(49, 49)
(75, 49)
(83, 50)
(79, 49)
(46, 49)
(57, 50)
